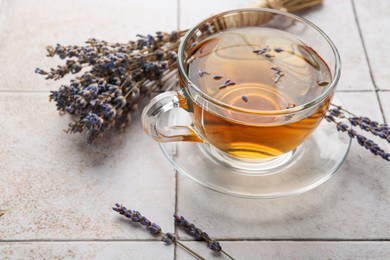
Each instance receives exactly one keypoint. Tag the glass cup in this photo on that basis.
(245, 139)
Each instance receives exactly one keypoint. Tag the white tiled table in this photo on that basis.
(56, 192)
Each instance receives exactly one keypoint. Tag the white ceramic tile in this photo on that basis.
(352, 204)
(385, 101)
(55, 186)
(193, 12)
(86, 250)
(374, 20)
(26, 27)
(295, 250)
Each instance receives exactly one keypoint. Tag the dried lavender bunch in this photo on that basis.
(340, 116)
(196, 232)
(153, 228)
(114, 79)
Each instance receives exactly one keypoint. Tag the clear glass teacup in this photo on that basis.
(256, 83)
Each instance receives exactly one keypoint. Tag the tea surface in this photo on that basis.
(257, 69)
(271, 69)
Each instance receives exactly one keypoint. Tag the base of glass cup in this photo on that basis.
(314, 162)
(254, 167)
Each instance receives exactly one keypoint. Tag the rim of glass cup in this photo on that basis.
(296, 109)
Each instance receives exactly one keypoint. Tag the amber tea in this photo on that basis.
(257, 70)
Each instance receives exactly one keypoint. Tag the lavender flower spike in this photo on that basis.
(196, 232)
(341, 117)
(111, 79)
(153, 228)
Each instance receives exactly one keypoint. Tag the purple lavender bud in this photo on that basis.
(154, 228)
(198, 233)
(169, 238)
(335, 112)
(365, 120)
(206, 236)
(354, 120)
(384, 127)
(269, 56)
(374, 149)
(40, 71)
(329, 118)
(374, 124)
(382, 135)
(368, 144)
(184, 222)
(134, 218)
(215, 246)
(150, 40)
(166, 240)
(365, 126)
(145, 222)
(352, 133)
(177, 218)
(342, 127)
(278, 49)
(361, 139)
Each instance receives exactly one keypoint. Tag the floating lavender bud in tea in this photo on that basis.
(322, 83)
(278, 74)
(290, 106)
(231, 84)
(269, 56)
(217, 77)
(191, 59)
(201, 73)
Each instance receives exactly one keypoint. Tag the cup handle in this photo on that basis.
(153, 111)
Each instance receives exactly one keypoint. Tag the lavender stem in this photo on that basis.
(153, 228)
(189, 250)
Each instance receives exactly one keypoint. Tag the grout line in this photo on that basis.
(291, 240)
(175, 230)
(194, 240)
(77, 240)
(367, 59)
(16, 91)
(178, 7)
(354, 91)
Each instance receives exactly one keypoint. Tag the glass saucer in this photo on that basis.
(314, 162)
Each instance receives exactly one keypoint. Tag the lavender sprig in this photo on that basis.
(112, 79)
(364, 123)
(153, 228)
(196, 232)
